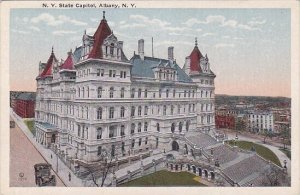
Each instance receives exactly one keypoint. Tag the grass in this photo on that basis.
(165, 178)
(30, 125)
(264, 152)
(286, 152)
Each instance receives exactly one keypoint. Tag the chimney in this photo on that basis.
(141, 48)
(171, 53)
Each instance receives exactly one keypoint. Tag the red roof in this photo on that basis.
(195, 57)
(68, 64)
(49, 66)
(101, 33)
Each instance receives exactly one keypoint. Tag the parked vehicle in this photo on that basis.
(43, 175)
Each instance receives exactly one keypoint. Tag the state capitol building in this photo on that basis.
(98, 100)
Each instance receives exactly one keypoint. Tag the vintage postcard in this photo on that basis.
(131, 96)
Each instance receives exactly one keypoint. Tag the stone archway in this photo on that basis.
(200, 171)
(175, 146)
(194, 169)
(212, 175)
(206, 173)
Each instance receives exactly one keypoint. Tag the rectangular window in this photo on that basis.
(110, 73)
(121, 74)
(140, 141)
(124, 76)
(98, 72)
(102, 72)
(114, 73)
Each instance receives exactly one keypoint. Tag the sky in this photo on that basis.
(248, 49)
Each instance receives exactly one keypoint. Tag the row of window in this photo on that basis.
(133, 141)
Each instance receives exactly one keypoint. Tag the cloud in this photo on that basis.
(62, 32)
(174, 33)
(25, 19)
(199, 30)
(122, 22)
(222, 45)
(20, 31)
(223, 22)
(133, 25)
(34, 28)
(111, 23)
(208, 34)
(256, 22)
(55, 21)
(143, 21)
(226, 37)
(90, 31)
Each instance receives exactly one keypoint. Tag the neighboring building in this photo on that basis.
(224, 119)
(98, 101)
(24, 103)
(260, 121)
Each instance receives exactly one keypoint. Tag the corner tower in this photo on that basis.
(197, 66)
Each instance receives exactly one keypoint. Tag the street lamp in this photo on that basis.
(284, 164)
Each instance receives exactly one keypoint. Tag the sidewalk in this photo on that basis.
(63, 170)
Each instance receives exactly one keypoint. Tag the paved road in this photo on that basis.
(274, 149)
(23, 156)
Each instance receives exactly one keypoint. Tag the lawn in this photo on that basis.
(30, 125)
(264, 152)
(165, 178)
(286, 152)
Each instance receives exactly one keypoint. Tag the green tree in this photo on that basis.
(240, 125)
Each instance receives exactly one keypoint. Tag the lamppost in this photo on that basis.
(236, 139)
(284, 164)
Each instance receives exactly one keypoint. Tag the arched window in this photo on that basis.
(132, 93)
(173, 127)
(157, 127)
(132, 110)
(83, 92)
(180, 127)
(139, 127)
(122, 92)
(187, 125)
(122, 130)
(146, 93)
(132, 128)
(139, 93)
(146, 110)
(99, 92)
(112, 49)
(159, 93)
(184, 95)
(178, 109)
(172, 109)
(165, 110)
(189, 93)
(111, 112)
(99, 133)
(193, 93)
(99, 113)
(122, 112)
(111, 92)
(139, 110)
(145, 126)
(174, 93)
(167, 93)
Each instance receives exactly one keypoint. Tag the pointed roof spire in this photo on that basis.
(85, 31)
(52, 51)
(103, 15)
(196, 42)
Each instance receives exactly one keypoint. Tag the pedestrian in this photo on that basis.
(69, 176)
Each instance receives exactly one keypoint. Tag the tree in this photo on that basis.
(274, 176)
(101, 169)
(240, 125)
(285, 136)
(267, 134)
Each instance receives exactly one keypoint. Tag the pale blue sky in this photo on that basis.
(249, 49)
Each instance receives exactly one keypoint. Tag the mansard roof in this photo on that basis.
(49, 66)
(144, 68)
(101, 33)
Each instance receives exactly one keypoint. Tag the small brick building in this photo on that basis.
(24, 104)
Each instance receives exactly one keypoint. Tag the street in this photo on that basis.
(23, 156)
